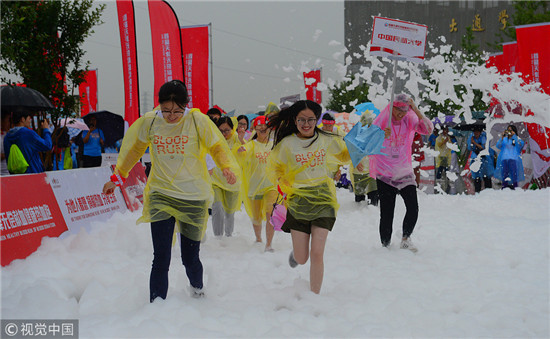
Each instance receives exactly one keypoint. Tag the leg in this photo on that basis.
(269, 231)
(386, 194)
(229, 224)
(300, 246)
(487, 181)
(217, 218)
(317, 266)
(161, 233)
(373, 198)
(190, 259)
(411, 215)
(477, 185)
(505, 173)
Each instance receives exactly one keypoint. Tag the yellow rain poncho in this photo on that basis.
(259, 193)
(302, 172)
(362, 182)
(229, 195)
(179, 185)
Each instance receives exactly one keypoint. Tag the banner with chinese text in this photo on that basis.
(29, 212)
(534, 53)
(195, 44)
(82, 201)
(396, 38)
(166, 41)
(127, 29)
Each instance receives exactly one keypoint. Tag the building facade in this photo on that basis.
(448, 19)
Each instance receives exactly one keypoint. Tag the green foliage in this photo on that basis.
(41, 43)
(343, 94)
(525, 12)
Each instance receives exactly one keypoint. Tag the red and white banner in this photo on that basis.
(166, 40)
(195, 44)
(510, 60)
(396, 38)
(534, 53)
(311, 80)
(133, 187)
(127, 28)
(28, 213)
(88, 93)
(82, 201)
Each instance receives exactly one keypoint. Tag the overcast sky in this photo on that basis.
(259, 48)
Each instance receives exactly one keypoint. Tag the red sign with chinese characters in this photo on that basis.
(28, 212)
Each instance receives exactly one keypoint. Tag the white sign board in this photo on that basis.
(398, 39)
(79, 195)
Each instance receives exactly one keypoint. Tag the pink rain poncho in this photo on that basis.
(395, 168)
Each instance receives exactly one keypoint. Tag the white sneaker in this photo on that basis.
(407, 244)
(269, 249)
(197, 293)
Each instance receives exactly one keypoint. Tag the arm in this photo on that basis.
(101, 137)
(424, 125)
(42, 144)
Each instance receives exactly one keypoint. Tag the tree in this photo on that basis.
(525, 12)
(41, 44)
(343, 94)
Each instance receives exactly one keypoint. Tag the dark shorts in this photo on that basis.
(305, 225)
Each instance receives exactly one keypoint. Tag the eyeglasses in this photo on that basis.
(261, 130)
(243, 124)
(309, 121)
(225, 131)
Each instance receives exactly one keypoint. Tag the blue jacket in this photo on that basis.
(30, 144)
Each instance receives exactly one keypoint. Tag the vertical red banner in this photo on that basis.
(87, 91)
(166, 41)
(311, 80)
(195, 44)
(127, 28)
(495, 60)
(534, 53)
(510, 60)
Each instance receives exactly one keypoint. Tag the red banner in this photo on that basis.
(27, 216)
(510, 60)
(311, 80)
(495, 60)
(88, 93)
(534, 53)
(195, 44)
(166, 40)
(127, 28)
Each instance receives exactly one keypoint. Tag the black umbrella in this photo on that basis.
(110, 123)
(463, 126)
(18, 99)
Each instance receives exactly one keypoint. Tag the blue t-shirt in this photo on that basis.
(92, 148)
(30, 144)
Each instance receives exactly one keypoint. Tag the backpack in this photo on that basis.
(16, 161)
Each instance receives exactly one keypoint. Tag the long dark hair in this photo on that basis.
(284, 123)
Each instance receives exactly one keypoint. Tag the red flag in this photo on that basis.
(88, 93)
(534, 53)
(495, 60)
(510, 61)
(195, 44)
(311, 80)
(127, 28)
(166, 40)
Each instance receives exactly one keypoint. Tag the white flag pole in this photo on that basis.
(392, 92)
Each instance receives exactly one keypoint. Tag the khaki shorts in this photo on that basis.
(305, 225)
